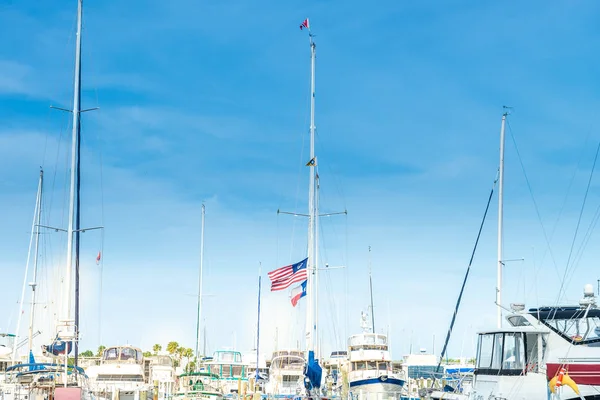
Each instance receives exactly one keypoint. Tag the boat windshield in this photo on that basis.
(575, 324)
(122, 354)
(288, 362)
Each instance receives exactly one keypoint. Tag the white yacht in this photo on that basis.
(286, 373)
(229, 370)
(162, 373)
(547, 350)
(370, 374)
(120, 374)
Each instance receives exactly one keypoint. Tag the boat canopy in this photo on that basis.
(575, 324)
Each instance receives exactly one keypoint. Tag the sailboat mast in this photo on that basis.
(200, 287)
(66, 312)
(316, 279)
(33, 283)
(310, 321)
(371, 292)
(500, 221)
(258, 332)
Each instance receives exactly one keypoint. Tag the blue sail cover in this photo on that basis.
(313, 371)
(33, 366)
(59, 347)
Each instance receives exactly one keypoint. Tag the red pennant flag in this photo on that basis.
(305, 24)
(98, 258)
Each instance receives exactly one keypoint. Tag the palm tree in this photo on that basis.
(181, 353)
(188, 353)
(156, 348)
(172, 347)
(100, 350)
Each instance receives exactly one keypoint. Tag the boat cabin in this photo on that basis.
(510, 352)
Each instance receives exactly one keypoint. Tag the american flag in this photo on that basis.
(283, 277)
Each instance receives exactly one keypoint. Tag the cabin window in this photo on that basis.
(514, 352)
(383, 366)
(486, 347)
(518, 320)
(215, 369)
(111, 354)
(372, 365)
(497, 353)
(532, 352)
(360, 366)
(225, 371)
(501, 354)
(127, 353)
(237, 370)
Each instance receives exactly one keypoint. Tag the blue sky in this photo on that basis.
(209, 102)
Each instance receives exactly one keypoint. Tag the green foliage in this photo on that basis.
(147, 354)
(156, 348)
(172, 347)
(190, 367)
(101, 349)
(87, 353)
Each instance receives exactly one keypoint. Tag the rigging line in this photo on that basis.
(587, 190)
(336, 179)
(294, 222)
(585, 241)
(537, 210)
(560, 213)
(487, 207)
(48, 111)
(58, 148)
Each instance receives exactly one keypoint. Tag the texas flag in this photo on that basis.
(298, 292)
(305, 24)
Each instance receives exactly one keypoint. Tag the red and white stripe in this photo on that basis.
(284, 283)
(281, 273)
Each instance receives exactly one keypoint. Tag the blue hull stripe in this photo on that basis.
(391, 381)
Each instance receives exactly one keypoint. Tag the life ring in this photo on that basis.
(383, 378)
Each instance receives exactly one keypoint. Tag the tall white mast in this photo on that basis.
(317, 340)
(67, 293)
(310, 289)
(500, 222)
(33, 283)
(198, 328)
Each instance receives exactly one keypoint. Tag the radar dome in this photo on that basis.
(588, 290)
